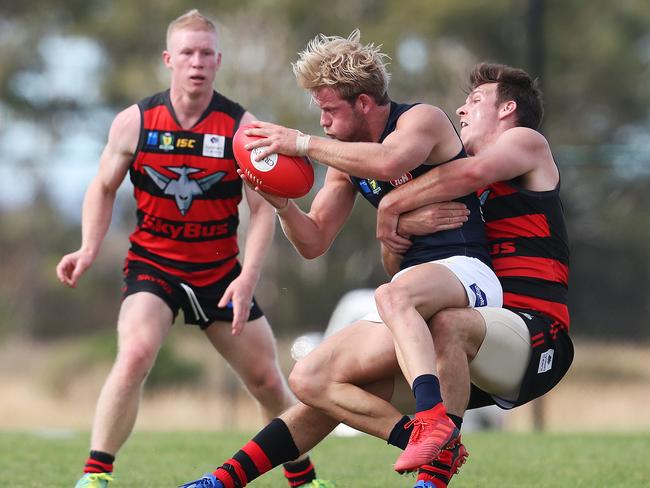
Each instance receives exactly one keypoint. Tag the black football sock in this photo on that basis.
(458, 421)
(299, 473)
(426, 389)
(272, 446)
(99, 462)
(400, 435)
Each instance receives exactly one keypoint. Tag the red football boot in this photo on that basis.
(438, 473)
(432, 432)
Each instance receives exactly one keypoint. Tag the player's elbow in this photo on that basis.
(392, 169)
(312, 247)
(311, 252)
(475, 176)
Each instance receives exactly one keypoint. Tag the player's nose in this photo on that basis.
(325, 120)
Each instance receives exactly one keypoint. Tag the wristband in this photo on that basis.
(302, 144)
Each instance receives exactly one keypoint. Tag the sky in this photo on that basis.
(65, 161)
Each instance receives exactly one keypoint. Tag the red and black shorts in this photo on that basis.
(199, 303)
(551, 357)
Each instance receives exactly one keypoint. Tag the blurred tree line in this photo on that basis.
(67, 67)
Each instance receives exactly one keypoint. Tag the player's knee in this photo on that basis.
(266, 383)
(391, 298)
(442, 324)
(307, 381)
(450, 331)
(135, 361)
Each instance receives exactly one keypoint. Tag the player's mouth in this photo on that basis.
(463, 124)
(197, 78)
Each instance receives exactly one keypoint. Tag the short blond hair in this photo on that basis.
(192, 20)
(345, 65)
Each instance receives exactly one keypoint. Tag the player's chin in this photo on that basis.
(197, 87)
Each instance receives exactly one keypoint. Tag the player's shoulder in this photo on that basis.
(525, 138)
(524, 134)
(529, 147)
(427, 109)
(222, 103)
(127, 119)
(125, 129)
(424, 113)
(155, 100)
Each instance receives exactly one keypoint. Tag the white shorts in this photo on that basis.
(502, 360)
(481, 284)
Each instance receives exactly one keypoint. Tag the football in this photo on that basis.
(276, 174)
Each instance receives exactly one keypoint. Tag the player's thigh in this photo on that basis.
(251, 353)
(431, 287)
(502, 359)
(144, 321)
(361, 353)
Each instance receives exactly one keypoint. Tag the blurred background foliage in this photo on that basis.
(67, 67)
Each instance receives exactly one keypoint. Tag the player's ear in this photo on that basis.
(166, 57)
(508, 108)
(365, 102)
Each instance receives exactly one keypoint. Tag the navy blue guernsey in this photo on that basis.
(469, 240)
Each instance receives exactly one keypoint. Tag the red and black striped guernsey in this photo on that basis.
(187, 190)
(529, 246)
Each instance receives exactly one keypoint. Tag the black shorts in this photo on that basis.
(551, 357)
(199, 303)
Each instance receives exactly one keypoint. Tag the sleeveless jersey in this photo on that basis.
(187, 190)
(469, 240)
(529, 247)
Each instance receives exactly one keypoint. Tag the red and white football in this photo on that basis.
(276, 174)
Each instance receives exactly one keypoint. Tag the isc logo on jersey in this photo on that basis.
(185, 142)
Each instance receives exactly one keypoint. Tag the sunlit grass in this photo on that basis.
(496, 460)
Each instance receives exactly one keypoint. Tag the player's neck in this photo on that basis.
(188, 107)
(377, 121)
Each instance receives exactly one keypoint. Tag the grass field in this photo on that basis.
(496, 460)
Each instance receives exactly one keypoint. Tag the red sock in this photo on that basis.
(99, 462)
(272, 446)
(299, 473)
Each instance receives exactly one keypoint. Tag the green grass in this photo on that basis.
(496, 460)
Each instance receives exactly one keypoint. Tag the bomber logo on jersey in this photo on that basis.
(405, 178)
(214, 145)
(166, 141)
(183, 188)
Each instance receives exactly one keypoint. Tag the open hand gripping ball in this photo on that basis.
(276, 174)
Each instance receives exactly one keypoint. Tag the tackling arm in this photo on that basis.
(517, 153)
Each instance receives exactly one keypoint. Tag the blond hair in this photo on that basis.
(192, 20)
(345, 65)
